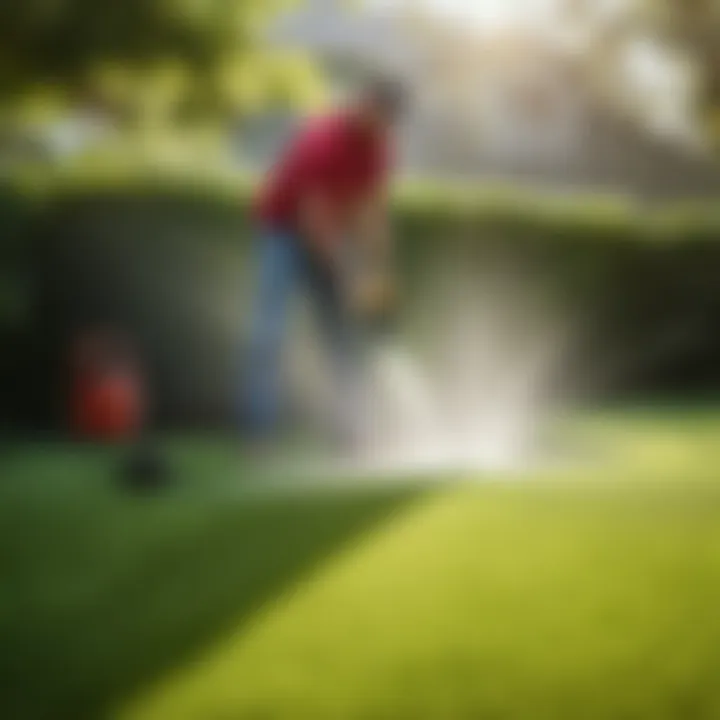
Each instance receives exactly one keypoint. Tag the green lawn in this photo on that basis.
(591, 592)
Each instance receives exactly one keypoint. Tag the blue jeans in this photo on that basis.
(285, 266)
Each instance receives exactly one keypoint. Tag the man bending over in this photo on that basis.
(322, 215)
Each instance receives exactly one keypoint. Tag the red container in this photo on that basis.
(107, 401)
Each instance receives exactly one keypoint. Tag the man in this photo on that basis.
(322, 208)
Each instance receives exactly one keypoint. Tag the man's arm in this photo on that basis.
(375, 232)
(318, 224)
(375, 286)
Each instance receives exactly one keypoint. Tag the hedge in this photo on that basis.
(161, 253)
(576, 213)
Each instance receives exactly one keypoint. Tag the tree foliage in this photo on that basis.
(694, 26)
(196, 55)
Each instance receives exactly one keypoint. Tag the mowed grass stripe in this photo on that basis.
(518, 601)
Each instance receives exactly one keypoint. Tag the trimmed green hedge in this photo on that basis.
(167, 256)
(511, 207)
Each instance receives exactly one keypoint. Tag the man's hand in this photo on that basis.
(374, 296)
(319, 228)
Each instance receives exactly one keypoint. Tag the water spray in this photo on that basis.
(467, 394)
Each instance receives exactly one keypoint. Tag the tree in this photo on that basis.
(190, 57)
(694, 25)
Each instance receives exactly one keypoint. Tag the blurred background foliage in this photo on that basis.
(694, 25)
(173, 79)
(191, 55)
(158, 73)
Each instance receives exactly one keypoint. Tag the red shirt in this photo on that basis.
(332, 156)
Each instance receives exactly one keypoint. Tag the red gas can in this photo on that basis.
(107, 402)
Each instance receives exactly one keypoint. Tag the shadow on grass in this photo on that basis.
(102, 593)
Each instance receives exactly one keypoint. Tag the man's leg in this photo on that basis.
(279, 265)
(343, 336)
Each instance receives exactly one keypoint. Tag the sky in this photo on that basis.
(487, 14)
(493, 15)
